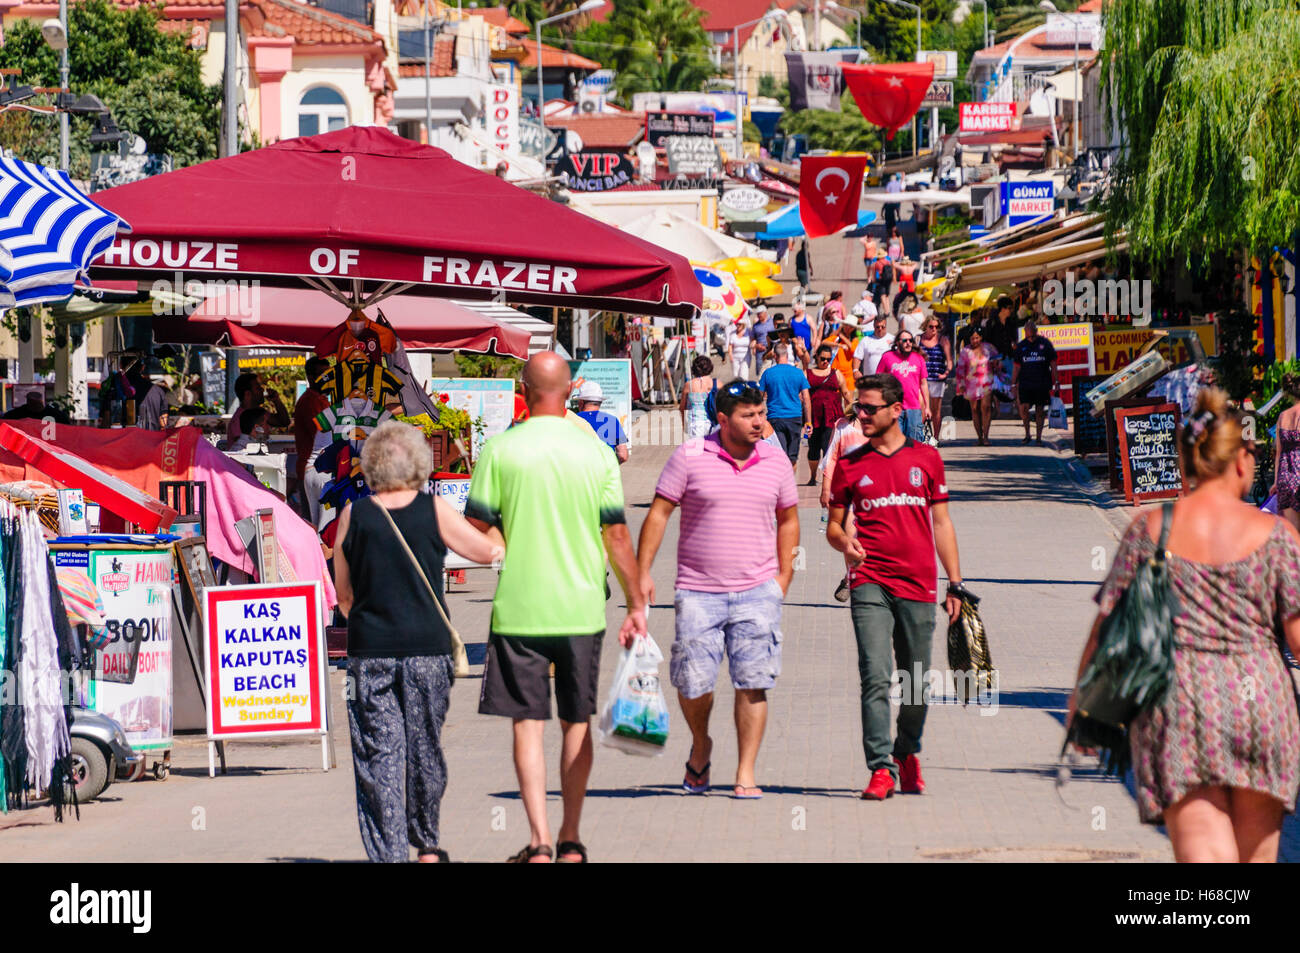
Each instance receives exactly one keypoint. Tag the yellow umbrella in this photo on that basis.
(965, 302)
(759, 286)
(926, 288)
(752, 267)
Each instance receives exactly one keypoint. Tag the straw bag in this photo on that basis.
(459, 657)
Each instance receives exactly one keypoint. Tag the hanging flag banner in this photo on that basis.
(815, 78)
(830, 189)
(889, 94)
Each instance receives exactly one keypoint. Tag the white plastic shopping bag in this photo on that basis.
(635, 717)
(1056, 418)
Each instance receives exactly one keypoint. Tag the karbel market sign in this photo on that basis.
(986, 117)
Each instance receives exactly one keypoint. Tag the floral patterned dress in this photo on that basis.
(1230, 716)
(974, 372)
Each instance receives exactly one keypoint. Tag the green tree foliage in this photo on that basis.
(844, 131)
(653, 45)
(1206, 96)
(150, 80)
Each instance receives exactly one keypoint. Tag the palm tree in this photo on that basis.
(652, 45)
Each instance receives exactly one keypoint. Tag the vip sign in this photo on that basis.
(503, 118)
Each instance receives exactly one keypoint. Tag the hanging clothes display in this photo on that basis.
(39, 646)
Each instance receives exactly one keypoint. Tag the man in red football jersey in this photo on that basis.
(899, 499)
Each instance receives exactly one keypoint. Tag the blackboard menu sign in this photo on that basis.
(1148, 445)
(692, 156)
(660, 125)
(1089, 431)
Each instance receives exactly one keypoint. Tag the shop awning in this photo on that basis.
(1026, 266)
(299, 317)
(690, 239)
(362, 213)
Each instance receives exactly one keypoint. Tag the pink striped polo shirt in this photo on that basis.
(728, 534)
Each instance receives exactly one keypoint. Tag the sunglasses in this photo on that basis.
(904, 340)
(736, 388)
(868, 410)
(823, 357)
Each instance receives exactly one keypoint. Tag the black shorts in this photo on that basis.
(818, 441)
(516, 676)
(789, 430)
(1035, 396)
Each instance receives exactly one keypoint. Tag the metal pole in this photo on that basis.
(817, 25)
(918, 56)
(1077, 91)
(428, 68)
(228, 81)
(735, 83)
(64, 159)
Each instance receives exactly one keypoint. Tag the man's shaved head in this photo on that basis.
(547, 382)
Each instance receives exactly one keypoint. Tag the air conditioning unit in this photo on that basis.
(590, 102)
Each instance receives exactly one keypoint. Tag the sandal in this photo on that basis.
(743, 792)
(528, 853)
(440, 854)
(700, 784)
(570, 847)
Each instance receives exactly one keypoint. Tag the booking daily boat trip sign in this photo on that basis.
(1148, 452)
(265, 660)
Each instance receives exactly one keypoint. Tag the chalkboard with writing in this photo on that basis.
(1148, 444)
(1089, 431)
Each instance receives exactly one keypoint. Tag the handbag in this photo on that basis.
(459, 656)
(969, 658)
(1132, 667)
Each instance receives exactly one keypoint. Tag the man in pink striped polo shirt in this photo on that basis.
(734, 563)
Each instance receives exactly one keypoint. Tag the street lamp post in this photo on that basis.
(64, 159)
(1050, 7)
(586, 7)
(831, 4)
(735, 77)
(917, 8)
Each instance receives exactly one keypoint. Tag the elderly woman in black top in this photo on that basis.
(399, 646)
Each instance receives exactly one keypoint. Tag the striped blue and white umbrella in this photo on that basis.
(49, 234)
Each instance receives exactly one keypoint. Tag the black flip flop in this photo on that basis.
(570, 847)
(528, 853)
(700, 786)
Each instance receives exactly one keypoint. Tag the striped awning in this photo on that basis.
(541, 334)
(49, 234)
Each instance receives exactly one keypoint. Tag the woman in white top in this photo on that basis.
(739, 344)
(910, 317)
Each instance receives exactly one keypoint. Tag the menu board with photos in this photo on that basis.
(1148, 445)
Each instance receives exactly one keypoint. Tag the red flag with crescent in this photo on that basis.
(830, 189)
(889, 94)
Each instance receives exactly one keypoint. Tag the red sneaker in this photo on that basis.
(880, 787)
(909, 775)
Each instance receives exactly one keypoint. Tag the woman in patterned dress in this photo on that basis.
(975, 381)
(1286, 455)
(1218, 760)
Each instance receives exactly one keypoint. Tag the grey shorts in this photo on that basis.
(744, 625)
(517, 680)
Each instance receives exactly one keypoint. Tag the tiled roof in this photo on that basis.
(196, 30)
(443, 60)
(553, 58)
(500, 17)
(604, 131)
(722, 15)
(309, 25)
(1034, 48)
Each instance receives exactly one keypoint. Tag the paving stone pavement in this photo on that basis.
(1033, 545)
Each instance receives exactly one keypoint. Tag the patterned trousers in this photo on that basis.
(395, 713)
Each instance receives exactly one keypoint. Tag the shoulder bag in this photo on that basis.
(1133, 664)
(459, 657)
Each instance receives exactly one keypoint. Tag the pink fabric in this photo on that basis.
(233, 493)
(974, 374)
(910, 373)
(725, 504)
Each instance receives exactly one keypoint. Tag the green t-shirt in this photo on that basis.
(550, 488)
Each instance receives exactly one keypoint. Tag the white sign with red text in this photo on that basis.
(986, 117)
(503, 117)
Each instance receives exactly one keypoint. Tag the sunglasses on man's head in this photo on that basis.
(736, 388)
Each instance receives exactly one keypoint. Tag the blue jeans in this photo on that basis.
(914, 424)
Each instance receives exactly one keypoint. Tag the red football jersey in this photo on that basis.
(890, 498)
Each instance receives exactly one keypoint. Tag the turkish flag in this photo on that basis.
(889, 94)
(830, 188)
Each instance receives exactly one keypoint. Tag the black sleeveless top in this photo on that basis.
(392, 613)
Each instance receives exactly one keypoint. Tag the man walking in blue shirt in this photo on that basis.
(607, 426)
(789, 409)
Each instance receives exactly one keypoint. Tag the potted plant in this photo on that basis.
(449, 435)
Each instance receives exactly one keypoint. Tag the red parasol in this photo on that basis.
(363, 214)
(889, 94)
(299, 317)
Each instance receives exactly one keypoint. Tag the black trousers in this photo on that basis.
(396, 707)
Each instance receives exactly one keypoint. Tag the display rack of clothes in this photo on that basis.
(39, 647)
